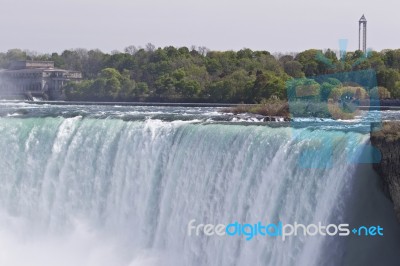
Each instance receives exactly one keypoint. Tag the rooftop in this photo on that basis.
(363, 19)
(27, 64)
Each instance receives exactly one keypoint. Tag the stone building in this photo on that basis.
(29, 79)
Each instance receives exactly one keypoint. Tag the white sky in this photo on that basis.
(276, 26)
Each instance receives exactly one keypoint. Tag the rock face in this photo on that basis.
(387, 140)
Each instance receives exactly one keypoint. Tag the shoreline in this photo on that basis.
(170, 104)
(136, 103)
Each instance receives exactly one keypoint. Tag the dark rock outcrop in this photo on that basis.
(387, 140)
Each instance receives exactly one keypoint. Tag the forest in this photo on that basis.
(197, 74)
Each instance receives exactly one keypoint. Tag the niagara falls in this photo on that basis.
(199, 133)
(118, 185)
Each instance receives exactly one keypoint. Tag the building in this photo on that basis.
(29, 79)
(362, 34)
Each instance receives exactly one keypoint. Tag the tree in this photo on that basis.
(113, 87)
(245, 53)
(150, 47)
(327, 86)
(142, 89)
(391, 58)
(73, 59)
(293, 69)
(219, 76)
(234, 87)
(390, 79)
(285, 58)
(132, 50)
(266, 86)
(308, 60)
(379, 93)
(303, 89)
(10, 56)
(165, 86)
(94, 63)
(188, 88)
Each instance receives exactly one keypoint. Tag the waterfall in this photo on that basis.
(81, 191)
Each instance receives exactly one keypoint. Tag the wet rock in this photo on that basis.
(387, 140)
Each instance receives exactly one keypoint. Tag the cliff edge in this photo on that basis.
(387, 140)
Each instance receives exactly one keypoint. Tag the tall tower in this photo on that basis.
(362, 24)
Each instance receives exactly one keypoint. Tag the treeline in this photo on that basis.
(200, 75)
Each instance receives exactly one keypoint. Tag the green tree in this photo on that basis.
(293, 69)
(390, 79)
(303, 89)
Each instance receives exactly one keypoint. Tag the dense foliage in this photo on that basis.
(200, 75)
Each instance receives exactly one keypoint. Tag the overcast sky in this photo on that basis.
(276, 26)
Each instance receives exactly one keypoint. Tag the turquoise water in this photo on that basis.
(118, 185)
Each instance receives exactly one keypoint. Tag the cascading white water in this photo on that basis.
(77, 191)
